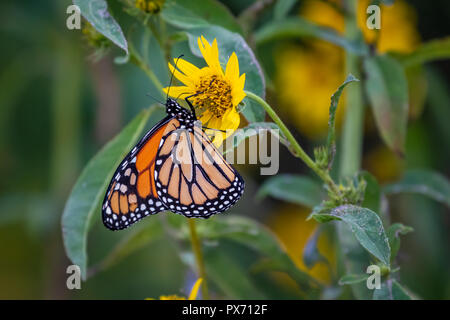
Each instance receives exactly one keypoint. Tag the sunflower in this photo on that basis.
(217, 93)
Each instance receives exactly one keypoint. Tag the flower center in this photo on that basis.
(215, 96)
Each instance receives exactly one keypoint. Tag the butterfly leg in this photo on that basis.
(194, 95)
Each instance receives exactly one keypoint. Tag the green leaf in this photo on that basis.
(254, 129)
(437, 49)
(331, 139)
(391, 290)
(365, 225)
(282, 8)
(229, 42)
(96, 12)
(142, 234)
(352, 279)
(296, 27)
(426, 182)
(255, 236)
(394, 232)
(229, 276)
(311, 254)
(198, 13)
(387, 90)
(372, 194)
(88, 192)
(250, 234)
(296, 189)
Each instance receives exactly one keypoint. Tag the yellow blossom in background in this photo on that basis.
(217, 92)
(398, 27)
(192, 295)
(150, 6)
(384, 164)
(291, 228)
(307, 75)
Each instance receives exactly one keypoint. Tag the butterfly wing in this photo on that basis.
(192, 177)
(131, 194)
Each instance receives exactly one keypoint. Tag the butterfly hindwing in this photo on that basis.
(193, 179)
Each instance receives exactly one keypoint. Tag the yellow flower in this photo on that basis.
(149, 6)
(217, 92)
(384, 164)
(291, 227)
(192, 295)
(308, 75)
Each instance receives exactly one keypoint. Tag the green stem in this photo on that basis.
(323, 174)
(139, 62)
(351, 147)
(196, 247)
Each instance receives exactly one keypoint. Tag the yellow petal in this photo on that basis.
(237, 98)
(194, 291)
(180, 76)
(206, 117)
(210, 53)
(187, 68)
(178, 91)
(232, 70)
(237, 92)
(231, 120)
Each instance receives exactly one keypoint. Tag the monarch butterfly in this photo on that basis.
(152, 178)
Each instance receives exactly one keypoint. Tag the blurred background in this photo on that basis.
(60, 103)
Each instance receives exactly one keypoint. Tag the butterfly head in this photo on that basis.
(175, 110)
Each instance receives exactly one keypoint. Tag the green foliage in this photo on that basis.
(198, 14)
(248, 233)
(296, 189)
(282, 8)
(365, 225)
(426, 182)
(296, 27)
(254, 129)
(372, 193)
(427, 52)
(311, 254)
(394, 232)
(391, 290)
(96, 12)
(352, 279)
(387, 90)
(84, 202)
(331, 139)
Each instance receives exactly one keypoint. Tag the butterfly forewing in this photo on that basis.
(131, 194)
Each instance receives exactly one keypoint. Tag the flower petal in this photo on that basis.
(186, 67)
(178, 91)
(183, 78)
(210, 53)
(232, 70)
(238, 90)
(194, 290)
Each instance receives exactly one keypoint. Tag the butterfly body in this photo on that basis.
(173, 167)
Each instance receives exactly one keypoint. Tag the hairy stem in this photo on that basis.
(323, 174)
(197, 248)
(139, 62)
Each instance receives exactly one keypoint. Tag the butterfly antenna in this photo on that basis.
(171, 77)
(148, 95)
